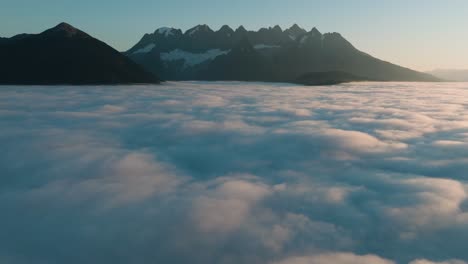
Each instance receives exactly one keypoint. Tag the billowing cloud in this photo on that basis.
(232, 172)
(336, 258)
(423, 261)
(227, 206)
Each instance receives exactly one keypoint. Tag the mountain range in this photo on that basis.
(66, 55)
(269, 54)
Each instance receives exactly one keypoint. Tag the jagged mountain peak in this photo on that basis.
(315, 32)
(65, 26)
(167, 31)
(65, 30)
(226, 28)
(241, 29)
(198, 29)
(295, 27)
(277, 28)
(312, 37)
(294, 32)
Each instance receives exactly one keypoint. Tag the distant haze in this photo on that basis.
(451, 74)
(422, 35)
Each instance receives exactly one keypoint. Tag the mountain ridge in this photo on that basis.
(285, 54)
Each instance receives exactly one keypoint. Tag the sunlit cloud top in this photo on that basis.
(371, 173)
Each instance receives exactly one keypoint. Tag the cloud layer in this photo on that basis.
(234, 173)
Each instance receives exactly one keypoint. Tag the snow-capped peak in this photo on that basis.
(198, 28)
(294, 32)
(165, 31)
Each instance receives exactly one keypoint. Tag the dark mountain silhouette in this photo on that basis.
(274, 55)
(66, 55)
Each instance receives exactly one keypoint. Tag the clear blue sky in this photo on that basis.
(422, 34)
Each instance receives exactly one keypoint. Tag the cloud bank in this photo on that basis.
(232, 172)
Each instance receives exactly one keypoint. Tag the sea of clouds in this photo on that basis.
(193, 172)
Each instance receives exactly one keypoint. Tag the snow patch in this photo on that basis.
(264, 46)
(192, 59)
(194, 30)
(165, 31)
(146, 49)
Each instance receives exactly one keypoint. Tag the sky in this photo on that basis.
(421, 34)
